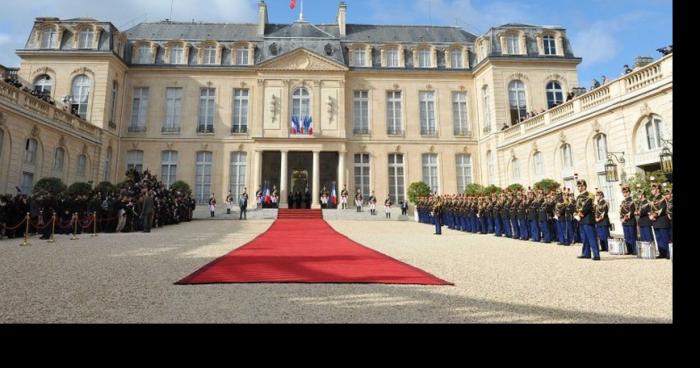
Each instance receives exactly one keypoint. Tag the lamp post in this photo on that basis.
(666, 160)
(611, 167)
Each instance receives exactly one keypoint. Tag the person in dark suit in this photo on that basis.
(437, 215)
(307, 198)
(404, 207)
(585, 211)
(147, 211)
(243, 205)
(629, 222)
(661, 223)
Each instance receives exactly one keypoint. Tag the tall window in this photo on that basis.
(430, 171)
(427, 113)
(82, 166)
(242, 56)
(555, 95)
(108, 165)
(206, 110)
(301, 104)
(550, 47)
(490, 168)
(240, 111)
(513, 44)
(464, 172)
(85, 39)
(237, 174)
(515, 167)
(30, 151)
(516, 96)
(209, 56)
(173, 110)
(393, 113)
(145, 55)
(601, 147)
(653, 129)
(360, 57)
(396, 184)
(81, 93)
(58, 160)
(566, 160)
(202, 186)
(168, 167)
(539, 165)
(459, 113)
(360, 111)
(361, 174)
(487, 108)
(139, 110)
(392, 57)
(424, 58)
(134, 160)
(48, 39)
(115, 94)
(177, 55)
(456, 56)
(43, 84)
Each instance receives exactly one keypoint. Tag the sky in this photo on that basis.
(606, 34)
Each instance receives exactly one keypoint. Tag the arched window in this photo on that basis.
(539, 165)
(601, 147)
(85, 39)
(58, 159)
(30, 151)
(202, 185)
(653, 130)
(515, 167)
(566, 160)
(108, 165)
(516, 96)
(43, 84)
(550, 47)
(301, 104)
(82, 166)
(81, 93)
(555, 95)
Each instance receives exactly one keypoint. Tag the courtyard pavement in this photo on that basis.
(129, 278)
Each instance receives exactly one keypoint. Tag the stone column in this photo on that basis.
(283, 181)
(317, 178)
(341, 172)
(257, 173)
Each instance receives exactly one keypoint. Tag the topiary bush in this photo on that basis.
(80, 189)
(105, 188)
(417, 190)
(642, 182)
(181, 186)
(52, 186)
(492, 189)
(547, 185)
(515, 187)
(474, 189)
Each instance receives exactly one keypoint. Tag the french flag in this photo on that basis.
(308, 125)
(334, 199)
(268, 199)
(295, 125)
(292, 4)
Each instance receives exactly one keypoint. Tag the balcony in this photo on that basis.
(205, 129)
(243, 129)
(360, 131)
(137, 129)
(170, 130)
(647, 157)
(462, 132)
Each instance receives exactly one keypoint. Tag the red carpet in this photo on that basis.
(307, 251)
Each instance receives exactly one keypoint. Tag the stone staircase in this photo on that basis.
(299, 214)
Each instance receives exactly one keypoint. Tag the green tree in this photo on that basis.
(492, 189)
(515, 187)
(52, 186)
(181, 186)
(642, 182)
(80, 189)
(474, 189)
(416, 190)
(547, 185)
(106, 187)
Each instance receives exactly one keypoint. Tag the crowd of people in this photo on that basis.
(556, 216)
(39, 93)
(138, 204)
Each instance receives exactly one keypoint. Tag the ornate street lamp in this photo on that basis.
(666, 159)
(611, 167)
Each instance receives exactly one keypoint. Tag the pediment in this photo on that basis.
(302, 59)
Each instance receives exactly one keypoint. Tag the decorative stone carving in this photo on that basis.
(243, 84)
(465, 149)
(534, 147)
(396, 86)
(2, 118)
(397, 148)
(562, 137)
(645, 110)
(274, 49)
(134, 145)
(432, 149)
(512, 154)
(62, 141)
(328, 49)
(596, 126)
(240, 147)
(35, 131)
(205, 146)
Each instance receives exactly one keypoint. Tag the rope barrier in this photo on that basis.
(15, 227)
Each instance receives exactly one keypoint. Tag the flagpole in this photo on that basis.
(301, 14)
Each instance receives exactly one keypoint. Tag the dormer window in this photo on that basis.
(144, 54)
(360, 58)
(424, 58)
(86, 38)
(456, 59)
(209, 56)
(392, 57)
(550, 47)
(48, 38)
(242, 55)
(513, 44)
(176, 55)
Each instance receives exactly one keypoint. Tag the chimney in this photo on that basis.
(342, 10)
(262, 17)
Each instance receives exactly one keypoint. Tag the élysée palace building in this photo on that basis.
(374, 107)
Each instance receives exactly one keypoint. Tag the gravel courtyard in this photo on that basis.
(129, 278)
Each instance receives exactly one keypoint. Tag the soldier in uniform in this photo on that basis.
(542, 220)
(661, 223)
(258, 197)
(358, 201)
(514, 205)
(344, 198)
(522, 217)
(560, 218)
(585, 211)
(212, 205)
(642, 212)
(229, 203)
(437, 211)
(629, 222)
(573, 234)
(669, 211)
(505, 216)
(387, 207)
(372, 204)
(602, 222)
(532, 217)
